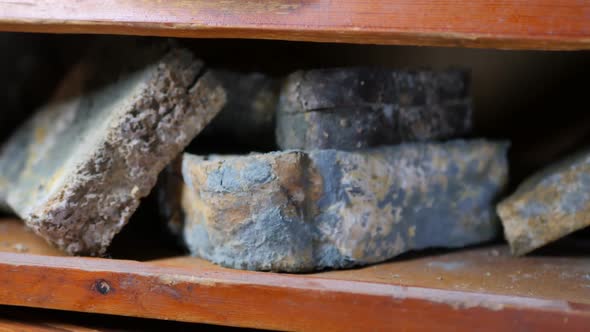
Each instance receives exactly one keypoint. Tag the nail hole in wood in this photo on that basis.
(102, 286)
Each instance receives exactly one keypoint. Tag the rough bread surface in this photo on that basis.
(549, 205)
(355, 108)
(78, 169)
(305, 210)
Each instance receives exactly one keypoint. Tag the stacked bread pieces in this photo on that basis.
(363, 176)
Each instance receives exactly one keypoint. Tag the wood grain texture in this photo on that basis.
(7, 325)
(489, 270)
(15, 237)
(14, 318)
(446, 292)
(514, 24)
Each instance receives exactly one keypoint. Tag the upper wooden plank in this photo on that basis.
(512, 24)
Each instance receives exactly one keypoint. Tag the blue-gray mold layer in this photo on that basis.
(549, 205)
(299, 211)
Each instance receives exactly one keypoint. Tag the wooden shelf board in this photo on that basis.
(514, 24)
(14, 318)
(481, 288)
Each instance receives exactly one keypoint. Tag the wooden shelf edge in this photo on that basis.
(265, 300)
(472, 289)
(525, 24)
(506, 42)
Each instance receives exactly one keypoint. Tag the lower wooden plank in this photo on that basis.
(485, 270)
(475, 289)
(7, 325)
(266, 300)
(15, 237)
(14, 318)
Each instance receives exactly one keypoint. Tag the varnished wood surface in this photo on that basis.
(22, 319)
(10, 325)
(14, 237)
(519, 24)
(447, 292)
(489, 270)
